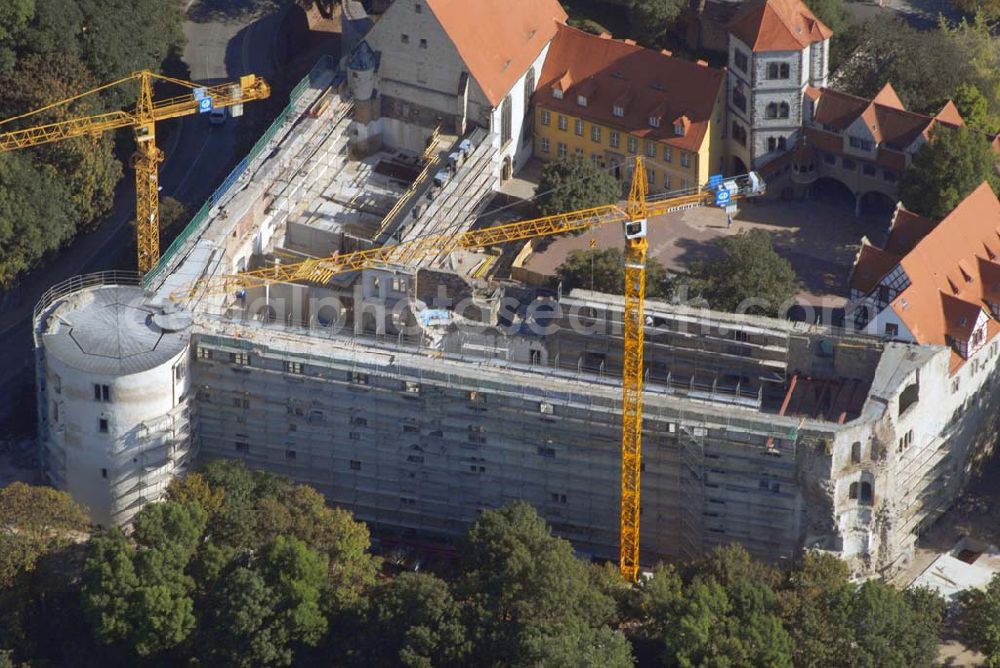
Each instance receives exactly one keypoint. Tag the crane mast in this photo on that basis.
(636, 246)
(146, 163)
(142, 120)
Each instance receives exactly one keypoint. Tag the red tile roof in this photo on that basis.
(645, 82)
(778, 25)
(906, 230)
(498, 39)
(870, 266)
(952, 268)
(950, 114)
(891, 125)
(946, 262)
(887, 97)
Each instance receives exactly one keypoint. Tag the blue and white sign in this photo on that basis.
(722, 197)
(714, 181)
(205, 105)
(200, 94)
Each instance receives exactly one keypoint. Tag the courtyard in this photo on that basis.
(820, 240)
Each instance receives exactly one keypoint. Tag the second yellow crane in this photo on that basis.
(142, 119)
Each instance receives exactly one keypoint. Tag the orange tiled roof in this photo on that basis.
(871, 265)
(889, 123)
(498, 39)
(825, 140)
(952, 267)
(644, 82)
(950, 115)
(947, 262)
(887, 97)
(778, 25)
(907, 230)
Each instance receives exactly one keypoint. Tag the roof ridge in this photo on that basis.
(791, 32)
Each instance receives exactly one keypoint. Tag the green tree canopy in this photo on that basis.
(727, 615)
(974, 107)
(136, 592)
(650, 20)
(831, 12)
(33, 522)
(519, 580)
(748, 277)
(35, 215)
(574, 183)
(980, 617)
(604, 271)
(414, 621)
(247, 509)
(14, 17)
(259, 614)
(922, 66)
(946, 170)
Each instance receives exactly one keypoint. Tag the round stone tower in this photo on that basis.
(113, 394)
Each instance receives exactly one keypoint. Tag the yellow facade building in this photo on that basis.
(608, 101)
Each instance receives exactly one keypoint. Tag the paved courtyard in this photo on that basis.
(819, 240)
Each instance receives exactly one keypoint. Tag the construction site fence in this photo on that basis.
(201, 219)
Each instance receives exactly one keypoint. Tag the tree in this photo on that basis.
(14, 16)
(33, 522)
(302, 512)
(412, 621)
(923, 66)
(259, 614)
(35, 216)
(888, 631)
(573, 183)
(87, 165)
(251, 508)
(749, 276)
(980, 617)
(980, 49)
(816, 608)
(137, 592)
(945, 170)
(519, 580)
(124, 36)
(604, 271)
(173, 214)
(650, 20)
(973, 107)
(830, 12)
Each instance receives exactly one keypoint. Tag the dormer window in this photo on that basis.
(581, 100)
(618, 110)
(679, 129)
(557, 93)
(654, 121)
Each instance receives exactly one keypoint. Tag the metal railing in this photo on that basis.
(200, 220)
(76, 283)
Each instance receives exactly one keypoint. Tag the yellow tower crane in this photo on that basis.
(142, 119)
(634, 217)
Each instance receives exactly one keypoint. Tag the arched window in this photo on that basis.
(739, 100)
(856, 452)
(866, 493)
(505, 121)
(529, 89)
(783, 110)
(739, 134)
(853, 492)
(771, 111)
